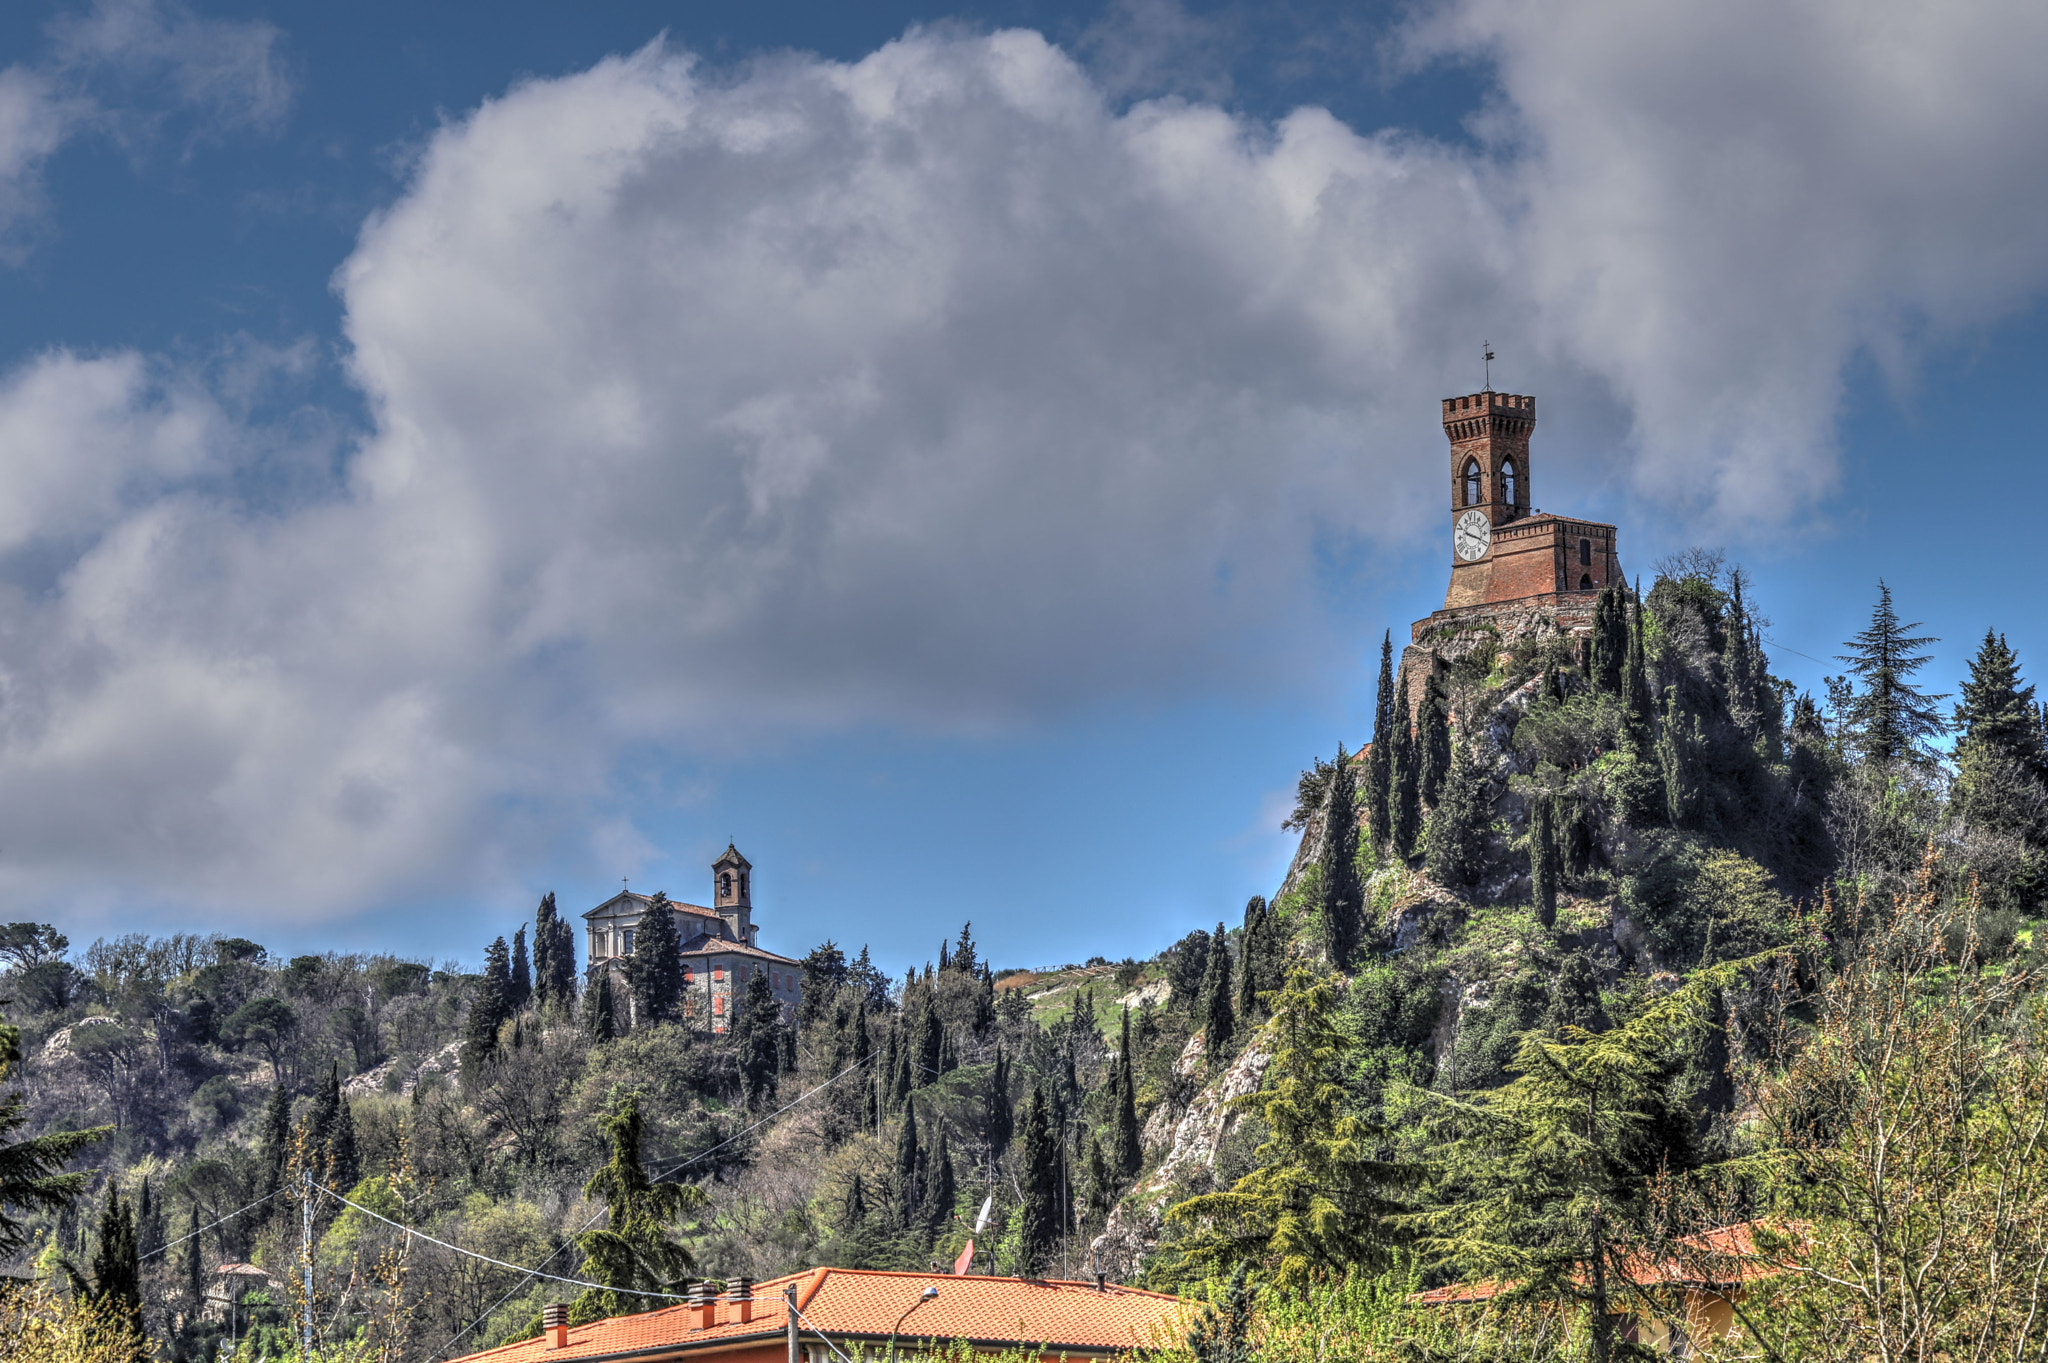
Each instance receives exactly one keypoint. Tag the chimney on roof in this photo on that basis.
(703, 1305)
(1101, 1281)
(554, 1323)
(741, 1294)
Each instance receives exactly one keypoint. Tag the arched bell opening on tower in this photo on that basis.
(1474, 489)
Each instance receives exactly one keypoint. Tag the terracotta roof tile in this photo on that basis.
(847, 1303)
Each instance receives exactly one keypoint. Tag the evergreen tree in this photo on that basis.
(1433, 743)
(654, 972)
(561, 966)
(1889, 719)
(1457, 831)
(274, 1139)
(1039, 1227)
(544, 921)
(999, 1120)
(928, 1042)
(519, 987)
(600, 1010)
(1127, 1150)
(635, 1250)
(1379, 757)
(1104, 1187)
(1251, 950)
(1343, 898)
(488, 1010)
(1405, 803)
(757, 1039)
(1224, 1335)
(1680, 750)
(331, 1135)
(117, 1261)
(1635, 678)
(1316, 1205)
(195, 1269)
(1550, 1175)
(1542, 857)
(1997, 711)
(939, 1187)
(907, 1187)
(858, 1242)
(1219, 1023)
(1608, 658)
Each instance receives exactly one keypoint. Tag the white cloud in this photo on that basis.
(931, 390)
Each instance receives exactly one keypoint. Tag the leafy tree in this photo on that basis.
(1456, 849)
(1219, 1022)
(1889, 719)
(24, 946)
(1343, 897)
(29, 1177)
(635, 1250)
(1547, 1179)
(654, 971)
(519, 983)
(1127, 1152)
(488, 1010)
(1039, 1177)
(1379, 757)
(272, 1025)
(1317, 1204)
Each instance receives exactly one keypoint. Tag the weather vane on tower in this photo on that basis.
(1487, 346)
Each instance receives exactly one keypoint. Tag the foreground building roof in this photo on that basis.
(857, 1306)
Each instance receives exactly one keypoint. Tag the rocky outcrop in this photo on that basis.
(1198, 1133)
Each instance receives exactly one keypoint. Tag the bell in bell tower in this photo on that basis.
(732, 893)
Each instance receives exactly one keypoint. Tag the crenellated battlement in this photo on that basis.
(1489, 413)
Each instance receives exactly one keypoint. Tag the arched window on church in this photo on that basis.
(1472, 497)
(1585, 553)
(724, 884)
(1507, 482)
(1585, 582)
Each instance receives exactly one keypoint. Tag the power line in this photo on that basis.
(168, 1246)
(693, 1159)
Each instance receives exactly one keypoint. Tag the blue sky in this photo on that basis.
(967, 454)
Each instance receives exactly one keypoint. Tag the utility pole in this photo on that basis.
(306, 1253)
(789, 1309)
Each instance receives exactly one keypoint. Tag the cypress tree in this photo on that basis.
(561, 971)
(1433, 745)
(600, 1011)
(1609, 657)
(488, 1010)
(519, 988)
(998, 1117)
(1678, 754)
(117, 1261)
(1103, 1185)
(757, 1040)
(274, 1138)
(1457, 832)
(1379, 757)
(939, 1187)
(1406, 801)
(195, 1274)
(907, 1186)
(1635, 679)
(1252, 946)
(321, 1115)
(891, 1068)
(543, 951)
(1890, 720)
(654, 971)
(929, 1038)
(1039, 1219)
(344, 1161)
(1219, 1022)
(1343, 898)
(1126, 1142)
(1542, 858)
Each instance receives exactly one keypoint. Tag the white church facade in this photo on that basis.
(721, 949)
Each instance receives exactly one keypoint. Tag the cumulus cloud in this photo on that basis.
(937, 390)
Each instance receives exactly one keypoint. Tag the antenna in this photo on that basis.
(1487, 346)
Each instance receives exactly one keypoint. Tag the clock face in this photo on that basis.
(1473, 534)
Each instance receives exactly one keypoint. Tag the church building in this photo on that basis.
(721, 945)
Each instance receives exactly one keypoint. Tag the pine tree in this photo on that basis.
(488, 1010)
(1433, 742)
(600, 1010)
(1542, 857)
(519, 985)
(1316, 1205)
(1126, 1141)
(1552, 1172)
(1457, 831)
(1039, 1219)
(1343, 898)
(1218, 1020)
(1405, 801)
(30, 1180)
(1890, 720)
(654, 972)
(1997, 710)
(635, 1248)
(1379, 757)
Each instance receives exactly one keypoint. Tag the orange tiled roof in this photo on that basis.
(856, 1304)
(1714, 1258)
(707, 945)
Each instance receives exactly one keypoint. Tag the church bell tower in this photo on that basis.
(732, 894)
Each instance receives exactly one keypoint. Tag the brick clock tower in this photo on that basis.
(1512, 566)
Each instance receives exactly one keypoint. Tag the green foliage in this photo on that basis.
(1317, 1203)
(1456, 845)
(635, 1250)
(1343, 899)
(1432, 742)
(1379, 757)
(1219, 1020)
(488, 1010)
(654, 972)
(1887, 718)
